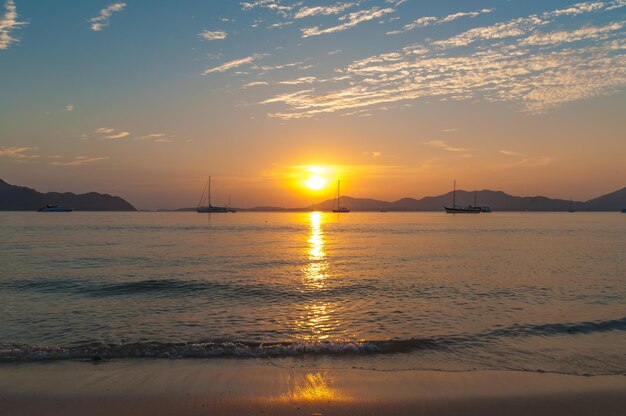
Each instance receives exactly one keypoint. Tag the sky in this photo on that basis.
(147, 98)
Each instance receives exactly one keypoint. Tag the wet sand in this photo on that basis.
(263, 387)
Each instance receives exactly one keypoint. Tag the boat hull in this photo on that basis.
(55, 209)
(342, 210)
(463, 210)
(211, 209)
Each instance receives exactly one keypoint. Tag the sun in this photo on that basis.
(315, 179)
(315, 183)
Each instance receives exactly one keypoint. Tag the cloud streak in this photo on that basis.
(431, 20)
(212, 35)
(78, 161)
(525, 160)
(445, 146)
(8, 23)
(231, 64)
(102, 19)
(18, 152)
(533, 69)
(322, 10)
(106, 133)
(350, 20)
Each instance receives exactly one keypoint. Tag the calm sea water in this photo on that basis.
(525, 291)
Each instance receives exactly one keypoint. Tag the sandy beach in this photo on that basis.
(264, 387)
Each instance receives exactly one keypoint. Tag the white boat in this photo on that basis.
(208, 208)
(54, 208)
(456, 209)
(337, 202)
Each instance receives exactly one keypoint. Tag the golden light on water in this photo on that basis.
(314, 387)
(315, 271)
(318, 320)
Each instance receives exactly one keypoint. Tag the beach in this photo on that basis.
(264, 387)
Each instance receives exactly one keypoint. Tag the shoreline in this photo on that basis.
(263, 387)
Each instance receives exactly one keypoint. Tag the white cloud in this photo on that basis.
(212, 35)
(102, 20)
(431, 20)
(351, 20)
(254, 84)
(578, 8)
(8, 23)
(281, 24)
(155, 137)
(511, 28)
(231, 64)
(18, 152)
(563, 36)
(115, 136)
(322, 10)
(298, 81)
(445, 146)
(524, 160)
(106, 133)
(274, 5)
(535, 79)
(78, 160)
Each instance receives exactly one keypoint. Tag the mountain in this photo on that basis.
(355, 204)
(497, 200)
(19, 198)
(614, 201)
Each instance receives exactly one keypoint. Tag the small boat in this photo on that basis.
(623, 211)
(339, 207)
(208, 208)
(571, 206)
(485, 209)
(456, 209)
(54, 208)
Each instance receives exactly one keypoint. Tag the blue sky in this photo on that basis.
(147, 98)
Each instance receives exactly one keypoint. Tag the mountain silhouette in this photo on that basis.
(497, 200)
(20, 198)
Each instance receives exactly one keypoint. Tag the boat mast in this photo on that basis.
(475, 198)
(209, 197)
(453, 194)
(202, 197)
(338, 205)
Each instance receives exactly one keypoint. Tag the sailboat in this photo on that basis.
(208, 208)
(338, 200)
(455, 209)
(50, 207)
(571, 206)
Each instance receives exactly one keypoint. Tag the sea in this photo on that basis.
(385, 290)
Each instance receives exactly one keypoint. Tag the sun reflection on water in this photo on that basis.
(318, 320)
(314, 387)
(315, 271)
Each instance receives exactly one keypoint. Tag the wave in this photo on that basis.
(176, 287)
(243, 349)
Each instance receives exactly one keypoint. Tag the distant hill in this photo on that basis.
(614, 201)
(497, 200)
(20, 198)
